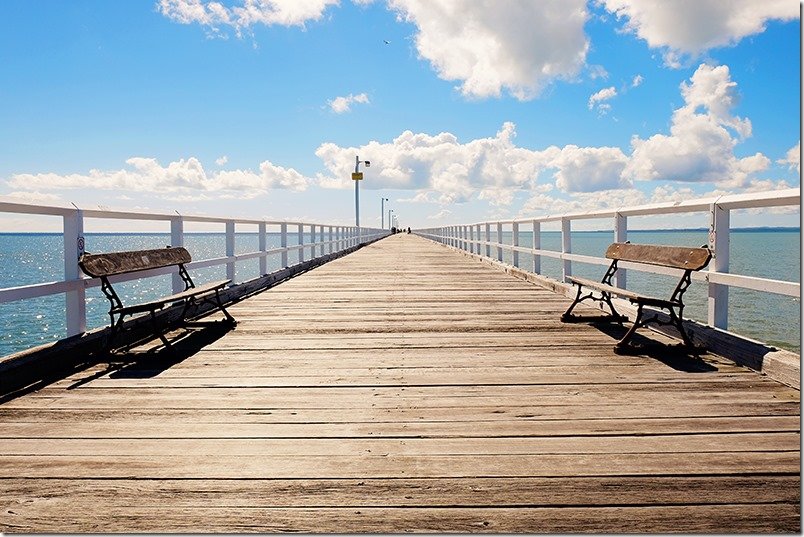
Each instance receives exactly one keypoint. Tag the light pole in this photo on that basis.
(382, 212)
(357, 177)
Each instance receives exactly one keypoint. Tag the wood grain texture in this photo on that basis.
(403, 388)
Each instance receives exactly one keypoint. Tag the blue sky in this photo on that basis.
(473, 110)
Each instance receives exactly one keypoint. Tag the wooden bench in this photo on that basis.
(111, 264)
(687, 259)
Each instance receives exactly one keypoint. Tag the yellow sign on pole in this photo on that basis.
(357, 176)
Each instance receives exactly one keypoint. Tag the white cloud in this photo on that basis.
(33, 196)
(588, 169)
(700, 146)
(220, 161)
(518, 46)
(443, 213)
(793, 158)
(182, 177)
(340, 105)
(597, 71)
(598, 98)
(439, 163)
(245, 14)
(637, 81)
(691, 27)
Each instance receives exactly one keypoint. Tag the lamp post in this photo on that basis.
(382, 212)
(357, 177)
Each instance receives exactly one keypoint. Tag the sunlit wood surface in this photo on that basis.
(403, 388)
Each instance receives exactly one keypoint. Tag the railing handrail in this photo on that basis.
(754, 200)
(8, 205)
(717, 276)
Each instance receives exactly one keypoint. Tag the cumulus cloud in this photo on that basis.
(182, 177)
(220, 161)
(588, 169)
(690, 27)
(700, 146)
(637, 81)
(443, 213)
(518, 46)
(33, 196)
(793, 158)
(244, 14)
(341, 105)
(598, 99)
(439, 163)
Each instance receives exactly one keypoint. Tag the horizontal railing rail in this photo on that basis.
(324, 239)
(486, 240)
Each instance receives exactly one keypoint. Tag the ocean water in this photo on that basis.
(37, 258)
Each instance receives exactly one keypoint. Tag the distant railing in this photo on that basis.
(480, 238)
(326, 239)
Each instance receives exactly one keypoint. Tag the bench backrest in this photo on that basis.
(667, 256)
(99, 265)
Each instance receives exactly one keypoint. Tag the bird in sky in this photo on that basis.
(386, 42)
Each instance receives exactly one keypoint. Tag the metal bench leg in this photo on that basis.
(623, 343)
(679, 324)
(567, 316)
(615, 316)
(114, 329)
(158, 331)
(226, 313)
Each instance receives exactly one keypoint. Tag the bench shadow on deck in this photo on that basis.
(404, 388)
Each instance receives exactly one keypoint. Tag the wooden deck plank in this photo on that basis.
(404, 388)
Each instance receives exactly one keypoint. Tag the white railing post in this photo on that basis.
(262, 237)
(321, 247)
(301, 243)
(74, 300)
(331, 244)
(566, 247)
(499, 241)
(719, 244)
(466, 244)
(537, 245)
(312, 241)
(620, 235)
(176, 241)
(515, 243)
(283, 243)
(230, 250)
(488, 240)
(471, 235)
(478, 248)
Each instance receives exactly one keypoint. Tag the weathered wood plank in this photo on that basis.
(698, 443)
(18, 494)
(225, 466)
(413, 429)
(757, 518)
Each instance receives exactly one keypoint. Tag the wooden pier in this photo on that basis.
(403, 387)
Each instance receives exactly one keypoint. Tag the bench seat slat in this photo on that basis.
(158, 304)
(630, 295)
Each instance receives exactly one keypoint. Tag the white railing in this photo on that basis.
(326, 239)
(480, 238)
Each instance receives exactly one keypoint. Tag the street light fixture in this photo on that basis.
(357, 177)
(382, 212)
